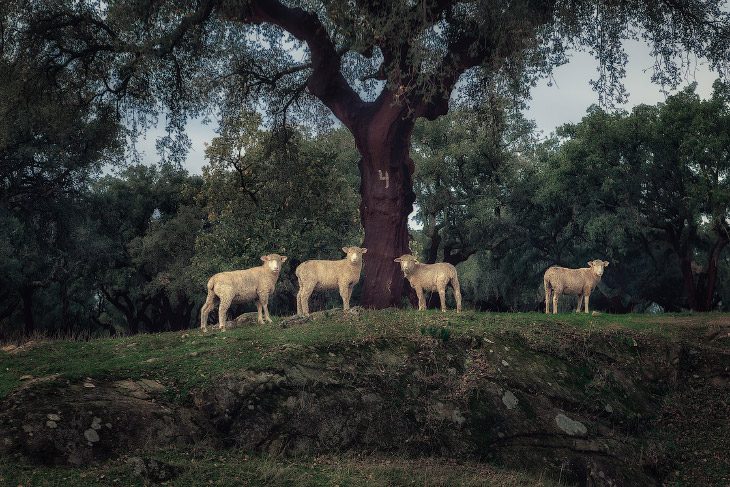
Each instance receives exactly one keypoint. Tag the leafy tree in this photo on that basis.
(144, 243)
(464, 169)
(377, 65)
(279, 191)
(647, 189)
(52, 142)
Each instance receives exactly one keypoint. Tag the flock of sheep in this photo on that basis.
(258, 283)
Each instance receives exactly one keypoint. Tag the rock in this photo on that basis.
(26, 377)
(654, 309)
(141, 389)
(91, 435)
(72, 434)
(570, 426)
(509, 400)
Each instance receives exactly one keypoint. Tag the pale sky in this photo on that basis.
(551, 106)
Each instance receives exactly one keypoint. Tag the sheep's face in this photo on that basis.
(354, 254)
(273, 262)
(598, 266)
(407, 263)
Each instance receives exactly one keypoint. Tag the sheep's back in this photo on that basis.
(570, 281)
(429, 274)
(244, 283)
(323, 274)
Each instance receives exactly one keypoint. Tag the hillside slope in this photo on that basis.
(378, 397)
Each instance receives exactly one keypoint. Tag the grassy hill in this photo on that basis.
(377, 397)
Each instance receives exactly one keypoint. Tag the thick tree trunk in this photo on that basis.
(387, 200)
(704, 300)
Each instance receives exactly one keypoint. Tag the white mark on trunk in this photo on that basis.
(383, 178)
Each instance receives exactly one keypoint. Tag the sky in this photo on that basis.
(551, 106)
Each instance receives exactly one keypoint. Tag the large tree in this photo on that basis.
(377, 65)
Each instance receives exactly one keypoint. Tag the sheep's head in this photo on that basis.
(273, 262)
(407, 262)
(354, 254)
(598, 266)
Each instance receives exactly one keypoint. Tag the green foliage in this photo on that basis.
(646, 190)
(187, 359)
(283, 191)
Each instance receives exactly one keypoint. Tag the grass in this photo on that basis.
(184, 360)
(235, 467)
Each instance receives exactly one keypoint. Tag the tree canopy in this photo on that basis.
(376, 65)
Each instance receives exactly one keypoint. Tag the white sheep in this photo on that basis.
(241, 286)
(340, 274)
(432, 277)
(578, 282)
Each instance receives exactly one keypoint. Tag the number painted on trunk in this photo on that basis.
(383, 178)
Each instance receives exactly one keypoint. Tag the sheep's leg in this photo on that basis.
(547, 300)
(588, 295)
(299, 301)
(259, 306)
(345, 295)
(556, 295)
(306, 293)
(226, 300)
(205, 310)
(580, 301)
(265, 302)
(421, 299)
(457, 292)
(442, 297)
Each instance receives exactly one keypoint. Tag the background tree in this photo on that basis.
(283, 191)
(52, 142)
(378, 66)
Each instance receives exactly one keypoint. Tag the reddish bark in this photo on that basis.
(387, 200)
(382, 129)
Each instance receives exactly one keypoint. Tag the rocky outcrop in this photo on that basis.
(61, 423)
(589, 409)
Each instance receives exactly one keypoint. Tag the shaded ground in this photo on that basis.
(209, 467)
(517, 398)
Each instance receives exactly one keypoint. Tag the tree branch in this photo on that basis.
(326, 82)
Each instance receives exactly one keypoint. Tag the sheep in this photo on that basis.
(432, 277)
(580, 282)
(340, 274)
(241, 286)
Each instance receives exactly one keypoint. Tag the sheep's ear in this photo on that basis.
(605, 263)
(346, 250)
(264, 258)
(283, 258)
(590, 263)
(398, 260)
(364, 250)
